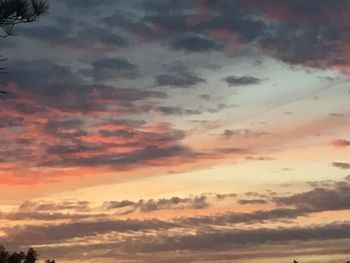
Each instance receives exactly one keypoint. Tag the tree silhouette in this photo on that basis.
(20, 257)
(4, 255)
(31, 256)
(13, 12)
(16, 257)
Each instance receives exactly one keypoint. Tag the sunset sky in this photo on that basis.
(178, 131)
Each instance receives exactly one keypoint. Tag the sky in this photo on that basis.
(178, 131)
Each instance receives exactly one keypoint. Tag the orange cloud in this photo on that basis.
(340, 143)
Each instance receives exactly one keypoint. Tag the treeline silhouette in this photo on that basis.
(294, 261)
(20, 257)
(14, 12)
(32, 256)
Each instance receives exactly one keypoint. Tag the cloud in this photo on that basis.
(232, 150)
(84, 40)
(95, 111)
(157, 236)
(320, 199)
(180, 79)
(260, 158)
(252, 202)
(202, 239)
(87, 4)
(223, 239)
(205, 97)
(47, 216)
(38, 74)
(241, 81)
(340, 165)
(45, 85)
(165, 7)
(52, 206)
(55, 125)
(241, 133)
(126, 161)
(341, 143)
(146, 206)
(168, 110)
(54, 35)
(9, 121)
(143, 146)
(36, 234)
(287, 31)
(111, 68)
(231, 218)
(194, 43)
(99, 36)
(50, 211)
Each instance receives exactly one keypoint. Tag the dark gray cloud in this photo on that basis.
(87, 38)
(194, 43)
(206, 234)
(137, 158)
(240, 132)
(224, 196)
(88, 4)
(111, 68)
(54, 125)
(52, 34)
(113, 63)
(226, 239)
(48, 84)
(99, 37)
(230, 218)
(337, 197)
(40, 74)
(231, 150)
(178, 75)
(168, 110)
(296, 36)
(241, 81)
(78, 147)
(223, 239)
(117, 133)
(287, 31)
(165, 7)
(49, 211)
(130, 22)
(341, 165)
(151, 205)
(182, 81)
(178, 80)
(252, 202)
(144, 147)
(7, 121)
(29, 234)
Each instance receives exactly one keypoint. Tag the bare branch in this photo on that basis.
(13, 12)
